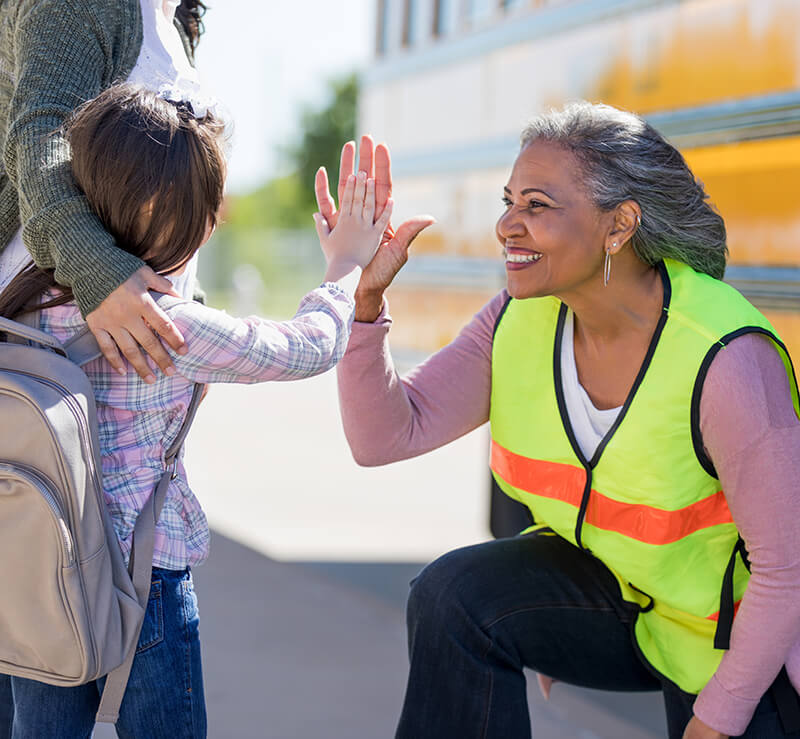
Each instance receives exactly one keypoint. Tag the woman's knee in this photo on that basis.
(447, 586)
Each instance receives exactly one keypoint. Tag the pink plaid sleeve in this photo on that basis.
(248, 350)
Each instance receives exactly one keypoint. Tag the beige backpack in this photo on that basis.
(70, 611)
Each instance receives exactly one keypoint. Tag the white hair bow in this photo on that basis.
(190, 93)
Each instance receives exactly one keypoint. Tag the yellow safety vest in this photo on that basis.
(648, 503)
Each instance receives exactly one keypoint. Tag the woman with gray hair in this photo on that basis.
(647, 416)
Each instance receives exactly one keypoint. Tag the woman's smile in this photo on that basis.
(517, 259)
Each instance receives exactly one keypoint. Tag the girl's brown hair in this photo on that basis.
(151, 171)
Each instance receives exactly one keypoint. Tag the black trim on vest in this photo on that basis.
(697, 437)
(649, 606)
(722, 634)
(500, 317)
(565, 422)
(562, 406)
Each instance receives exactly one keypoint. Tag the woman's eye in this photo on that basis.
(534, 204)
(506, 202)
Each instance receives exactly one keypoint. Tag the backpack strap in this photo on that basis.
(141, 562)
(26, 329)
(82, 348)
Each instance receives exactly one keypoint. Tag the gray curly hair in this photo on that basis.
(625, 158)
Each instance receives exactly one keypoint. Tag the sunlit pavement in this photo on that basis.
(302, 599)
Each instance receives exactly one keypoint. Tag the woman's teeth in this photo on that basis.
(522, 258)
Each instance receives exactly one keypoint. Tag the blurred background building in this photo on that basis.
(452, 82)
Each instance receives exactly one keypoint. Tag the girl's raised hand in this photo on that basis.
(356, 235)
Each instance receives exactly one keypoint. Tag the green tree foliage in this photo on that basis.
(323, 133)
(280, 203)
(288, 202)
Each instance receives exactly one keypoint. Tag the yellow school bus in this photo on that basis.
(452, 83)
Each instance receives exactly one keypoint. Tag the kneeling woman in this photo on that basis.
(645, 413)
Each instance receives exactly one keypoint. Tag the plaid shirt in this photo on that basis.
(138, 422)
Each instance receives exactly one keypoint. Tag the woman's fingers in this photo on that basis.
(385, 217)
(383, 178)
(366, 153)
(322, 191)
(410, 229)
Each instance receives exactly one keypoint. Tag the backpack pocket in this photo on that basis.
(38, 578)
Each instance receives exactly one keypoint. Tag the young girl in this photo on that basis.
(154, 174)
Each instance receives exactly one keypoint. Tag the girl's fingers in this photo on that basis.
(360, 193)
(368, 210)
(321, 224)
(346, 202)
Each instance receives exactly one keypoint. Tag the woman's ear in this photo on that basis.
(627, 218)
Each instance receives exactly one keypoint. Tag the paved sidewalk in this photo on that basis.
(302, 599)
(317, 651)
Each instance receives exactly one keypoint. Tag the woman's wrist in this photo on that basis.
(369, 304)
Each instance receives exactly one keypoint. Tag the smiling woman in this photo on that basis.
(618, 422)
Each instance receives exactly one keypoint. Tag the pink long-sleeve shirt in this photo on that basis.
(750, 432)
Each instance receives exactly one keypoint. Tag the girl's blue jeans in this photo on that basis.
(164, 696)
(477, 616)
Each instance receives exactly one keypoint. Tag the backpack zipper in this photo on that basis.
(75, 409)
(42, 485)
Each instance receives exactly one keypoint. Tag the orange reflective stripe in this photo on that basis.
(548, 479)
(715, 616)
(644, 523)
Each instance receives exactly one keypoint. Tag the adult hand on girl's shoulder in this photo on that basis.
(696, 729)
(129, 320)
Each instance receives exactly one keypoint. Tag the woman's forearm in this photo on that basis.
(387, 418)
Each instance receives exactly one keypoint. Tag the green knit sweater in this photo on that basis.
(54, 55)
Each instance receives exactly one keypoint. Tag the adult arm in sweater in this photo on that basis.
(64, 54)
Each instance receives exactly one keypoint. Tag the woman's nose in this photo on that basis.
(509, 224)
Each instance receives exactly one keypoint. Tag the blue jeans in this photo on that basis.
(164, 696)
(477, 616)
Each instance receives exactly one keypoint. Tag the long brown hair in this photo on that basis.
(190, 14)
(151, 171)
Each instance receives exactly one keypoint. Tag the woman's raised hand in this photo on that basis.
(392, 253)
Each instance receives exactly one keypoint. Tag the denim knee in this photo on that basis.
(442, 588)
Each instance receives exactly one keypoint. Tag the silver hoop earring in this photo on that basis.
(607, 267)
